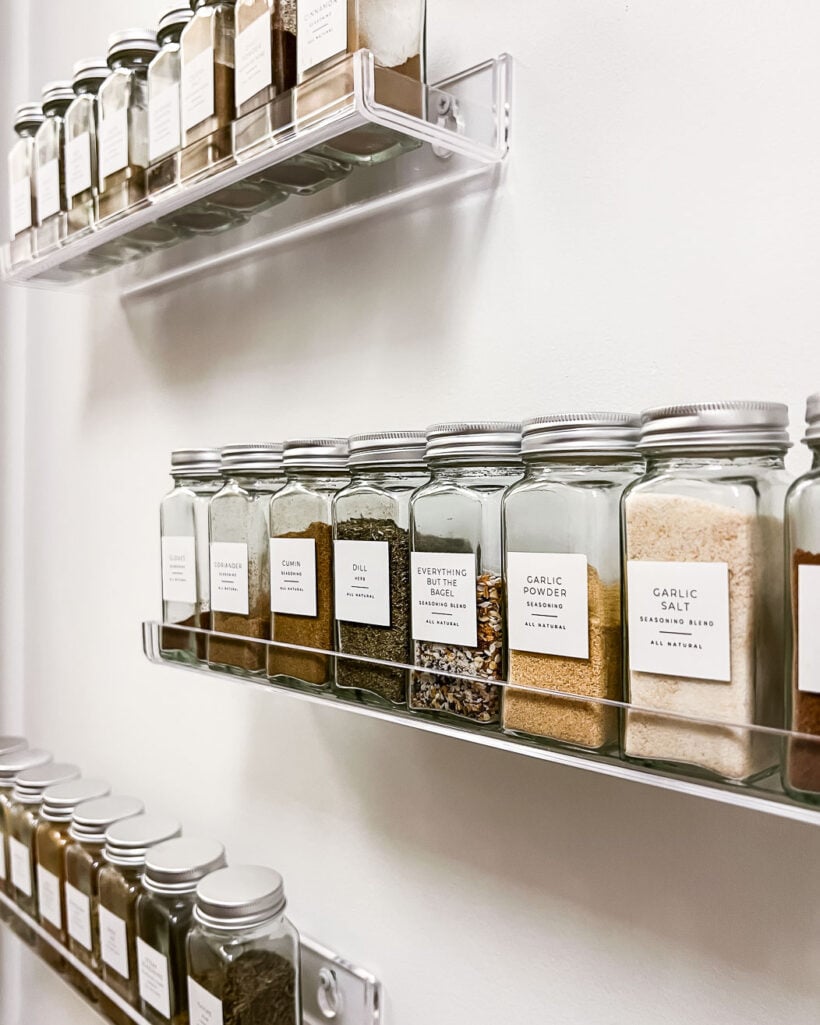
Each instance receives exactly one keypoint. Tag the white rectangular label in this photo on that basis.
(78, 915)
(20, 858)
(2, 856)
(48, 897)
(808, 634)
(548, 603)
(293, 576)
(20, 205)
(229, 577)
(164, 124)
(78, 164)
(679, 619)
(321, 32)
(203, 1008)
(254, 65)
(362, 581)
(179, 569)
(112, 138)
(444, 598)
(114, 942)
(48, 189)
(198, 89)
(155, 988)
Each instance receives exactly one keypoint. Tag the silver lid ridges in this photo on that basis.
(140, 41)
(316, 454)
(196, 462)
(92, 819)
(31, 784)
(177, 866)
(388, 448)
(60, 800)
(239, 897)
(57, 93)
(95, 69)
(812, 436)
(173, 20)
(9, 745)
(593, 432)
(473, 442)
(742, 425)
(13, 764)
(249, 459)
(28, 115)
(128, 840)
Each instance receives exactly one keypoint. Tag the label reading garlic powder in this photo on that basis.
(444, 598)
(548, 603)
(679, 619)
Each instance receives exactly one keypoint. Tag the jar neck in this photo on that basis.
(56, 110)
(213, 3)
(385, 474)
(228, 930)
(90, 88)
(469, 471)
(331, 478)
(170, 37)
(668, 461)
(131, 873)
(196, 482)
(137, 63)
(536, 465)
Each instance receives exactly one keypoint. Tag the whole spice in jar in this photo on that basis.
(803, 755)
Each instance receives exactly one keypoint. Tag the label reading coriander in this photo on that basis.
(362, 582)
(179, 569)
(48, 189)
(153, 978)
(548, 603)
(254, 64)
(198, 89)
(78, 164)
(808, 636)
(20, 205)
(444, 598)
(78, 915)
(164, 125)
(112, 139)
(293, 576)
(20, 866)
(48, 897)
(203, 1008)
(114, 942)
(229, 577)
(321, 32)
(679, 619)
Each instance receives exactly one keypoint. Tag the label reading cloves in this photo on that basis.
(548, 603)
(444, 598)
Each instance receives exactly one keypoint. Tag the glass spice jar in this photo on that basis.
(164, 917)
(301, 560)
(49, 167)
(371, 547)
(80, 154)
(164, 105)
(456, 569)
(22, 184)
(801, 763)
(120, 884)
(14, 761)
(265, 54)
(240, 555)
(243, 953)
(183, 514)
(123, 122)
(703, 572)
(562, 571)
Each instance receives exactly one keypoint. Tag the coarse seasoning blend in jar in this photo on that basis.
(15, 760)
(123, 122)
(301, 560)
(183, 517)
(801, 766)
(563, 576)
(371, 518)
(456, 568)
(22, 184)
(240, 554)
(164, 916)
(703, 552)
(243, 953)
(164, 109)
(126, 845)
(50, 168)
(80, 152)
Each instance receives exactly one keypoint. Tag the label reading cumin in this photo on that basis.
(444, 598)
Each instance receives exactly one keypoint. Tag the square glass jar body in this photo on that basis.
(80, 157)
(163, 924)
(119, 890)
(49, 171)
(22, 825)
(22, 199)
(123, 140)
(164, 118)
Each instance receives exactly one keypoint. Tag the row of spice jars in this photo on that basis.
(216, 81)
(159, 917)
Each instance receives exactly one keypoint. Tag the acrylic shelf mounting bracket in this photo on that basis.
(448, 138)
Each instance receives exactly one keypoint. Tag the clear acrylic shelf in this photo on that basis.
(333, 989)
(381, 139)
(764, 793)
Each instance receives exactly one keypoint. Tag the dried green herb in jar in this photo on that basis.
(257, 988)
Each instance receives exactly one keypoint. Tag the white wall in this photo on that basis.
(657, 238)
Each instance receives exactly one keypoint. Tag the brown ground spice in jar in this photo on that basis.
(238, 653)
(803, 757)
(584, 724)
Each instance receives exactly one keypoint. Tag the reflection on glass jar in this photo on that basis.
(50, 168)
(164, 109)
(80, 151)
(22, 185)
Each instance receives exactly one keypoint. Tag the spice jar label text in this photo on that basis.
(229, 577)
(444, 598)
(362, 581)
(293, 576)
(547, 603)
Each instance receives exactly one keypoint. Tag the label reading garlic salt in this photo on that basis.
(229, 577)
(548, 603)
(293, 576)
(361, 573)
(679, 619)
(444, 598)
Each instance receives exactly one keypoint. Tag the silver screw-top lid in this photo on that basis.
(388, 448)
(8, 745)
(60, 800)
(11, 765)
(173, 21)
(140, 42)
(57, 94)
(812, 420)
(127, 841)
(196, 462)
(317, 454)
(92, 819)
(252, 459)
(238, 897)
(31, 784)
(95, 69)
(28, 115)
(748, 426)
(474, 442)
(176, 866)
(561, 433)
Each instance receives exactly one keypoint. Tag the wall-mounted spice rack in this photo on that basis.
(456, 137)
(332, 988)
(764, 795)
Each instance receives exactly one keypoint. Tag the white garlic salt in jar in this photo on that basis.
(703, 577)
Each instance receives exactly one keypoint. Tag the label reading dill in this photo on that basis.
(444, 598)
(679, 619)
(362, 580)
(548, 603)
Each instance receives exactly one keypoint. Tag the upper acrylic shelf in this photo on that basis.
(362, 139)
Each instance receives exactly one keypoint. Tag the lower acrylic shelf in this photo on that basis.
(332, 988)
(759, 745)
